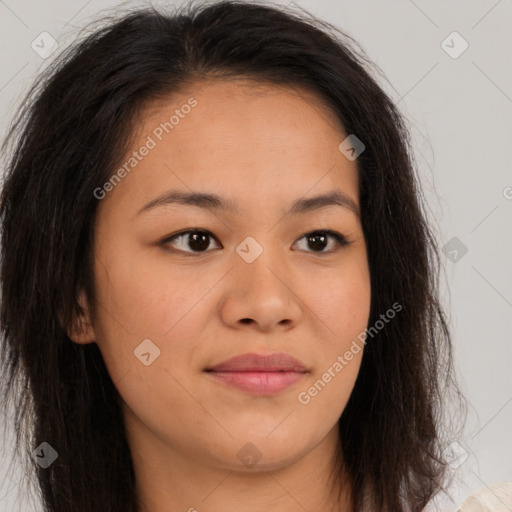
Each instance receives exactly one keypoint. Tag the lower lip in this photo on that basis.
(259, 383)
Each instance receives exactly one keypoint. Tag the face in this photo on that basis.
(257, 271)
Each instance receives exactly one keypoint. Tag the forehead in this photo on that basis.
(233, 118)
(241, 139)
(214, 95)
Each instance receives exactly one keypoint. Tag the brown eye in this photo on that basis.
(191, 240)
(199, 240)
(319, 240)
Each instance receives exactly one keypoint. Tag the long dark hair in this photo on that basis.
(66, 142)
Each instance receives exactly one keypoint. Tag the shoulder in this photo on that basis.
(494, 498)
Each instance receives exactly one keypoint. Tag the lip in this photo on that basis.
(274, 362)
(260, 374)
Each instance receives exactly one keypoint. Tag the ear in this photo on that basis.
(82, 331)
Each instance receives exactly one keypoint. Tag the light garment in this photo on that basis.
(495, 498)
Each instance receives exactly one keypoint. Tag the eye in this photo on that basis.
(198, 240)
(319, 240)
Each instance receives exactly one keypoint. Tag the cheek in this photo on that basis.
(148, 296)
(352, 297)
(343, 311)
(341, 304)
(137, 301)
(340, 301)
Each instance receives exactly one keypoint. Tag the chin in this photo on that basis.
(255, 454)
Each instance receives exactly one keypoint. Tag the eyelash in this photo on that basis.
(338, 237)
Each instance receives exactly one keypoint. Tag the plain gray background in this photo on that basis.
(459, 115)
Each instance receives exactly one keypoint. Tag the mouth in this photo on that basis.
(267, 374)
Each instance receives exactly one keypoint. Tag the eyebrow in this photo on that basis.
(215, 202)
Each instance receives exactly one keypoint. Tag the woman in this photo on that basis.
(220, 289)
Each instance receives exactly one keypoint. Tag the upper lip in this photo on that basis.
(275, 362)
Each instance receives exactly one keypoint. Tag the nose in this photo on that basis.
(261, 295)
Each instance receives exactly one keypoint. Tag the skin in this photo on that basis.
(263, 147)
